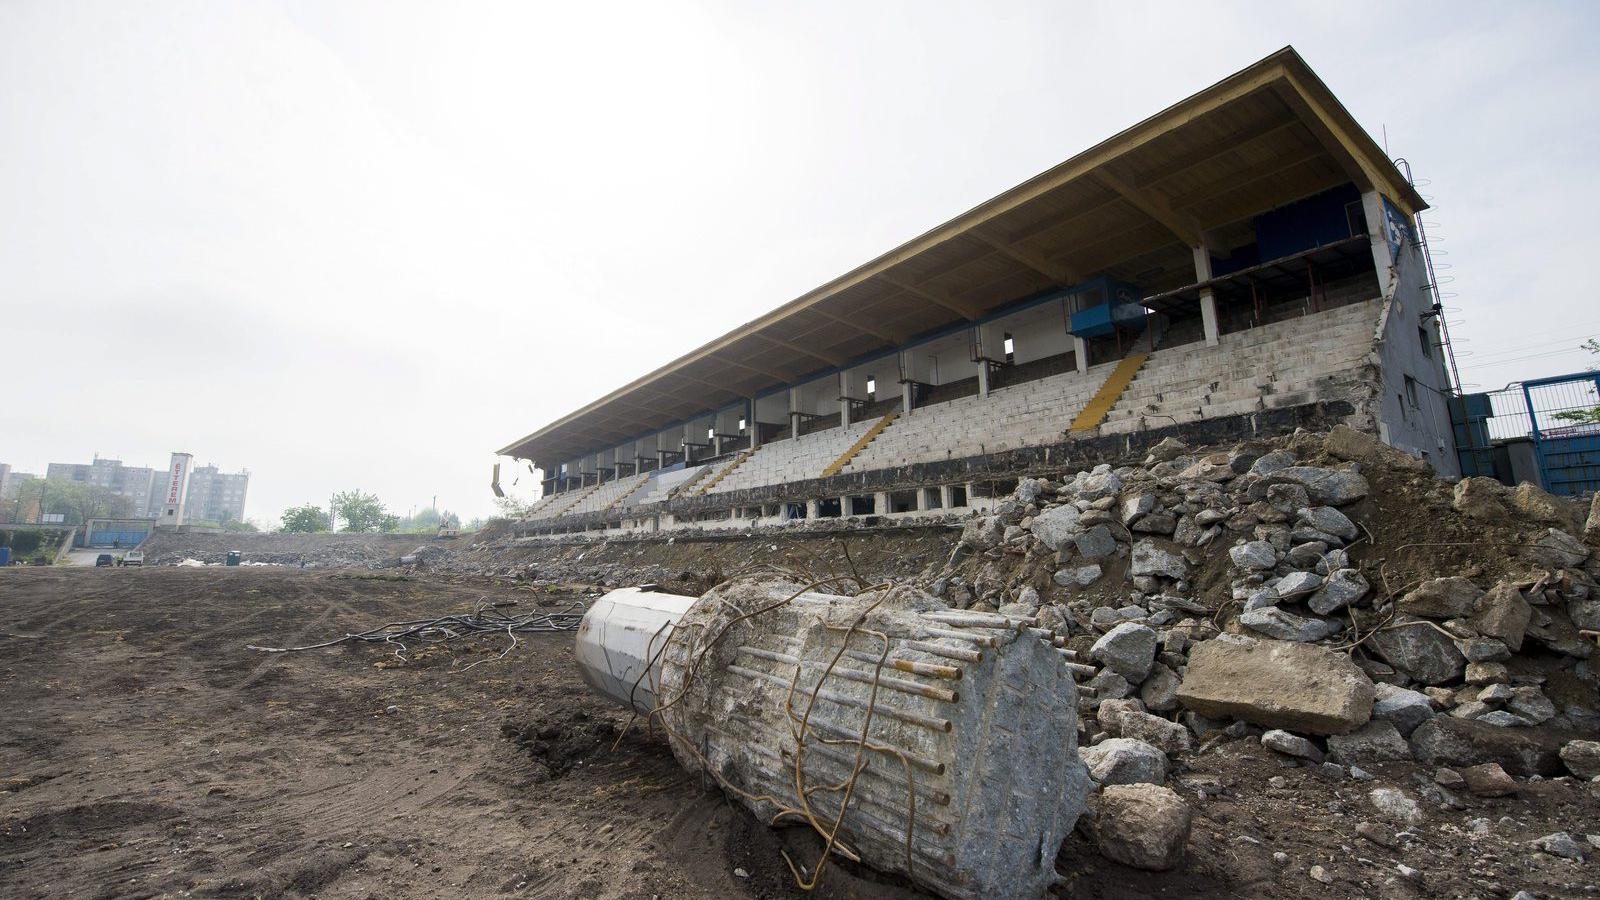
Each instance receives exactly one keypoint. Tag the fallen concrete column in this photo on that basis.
(968, 778)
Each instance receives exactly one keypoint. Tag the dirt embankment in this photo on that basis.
(331, 551)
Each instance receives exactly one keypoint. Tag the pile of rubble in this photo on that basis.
(1323, 596)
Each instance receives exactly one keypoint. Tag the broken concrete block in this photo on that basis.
(1504, 614)
(1150, 559)
(1056, 526)
(1145, 826)
(1343, 588)
(1128, 649)
(1254, 556)
(1417, 648)
(1442, 598)
(1404, 709)
(1277, 684)
(1125, 761)
(1375, 741)
(1448, 741)
(1286, 626)
(1291, 744)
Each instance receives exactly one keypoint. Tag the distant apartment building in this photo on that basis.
(206, 494)
(215, 496)
(133, 482)
(11, 481)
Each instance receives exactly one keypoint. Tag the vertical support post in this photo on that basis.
(1208, 297)
(1383, 262)
(944, 496)
(750, 423)
(846, 383)
(1080, 353)
(880, 502)
(909, 373)
(794, 412)
(812, 509)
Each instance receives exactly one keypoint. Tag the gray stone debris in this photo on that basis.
(1277, 684)
(1128, 649)
(1127, 718)
(1415, 647)
(1330, 486)
(1582, 758)
(1503, 613)
(1291, 744)
(1254, 555)
(1297, 584)
(1056, 526)
(1159, 693)
(1343, 588)
(1149, 559)
(1556, 549)
(1442, 598)
(1395, 806)
(1125, 761)
(1489, 780)
(1375, 741)
(1081, 576)
(1145, 826)
(1286, 626)
(1331, 521)
(1559, 844)
(1096, 543)
(1404, 709)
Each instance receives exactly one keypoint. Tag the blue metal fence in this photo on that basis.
(1552, 423)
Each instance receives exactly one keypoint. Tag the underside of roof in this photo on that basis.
(1131, 207)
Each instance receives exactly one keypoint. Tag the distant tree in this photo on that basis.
(78, 502)
(1589, 416)
(305, 519)
(231, 524)
(476, 523)
(513, 508)
(362, 511)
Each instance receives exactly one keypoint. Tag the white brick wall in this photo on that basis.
(795, 459)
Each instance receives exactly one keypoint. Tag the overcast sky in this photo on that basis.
(352, 244)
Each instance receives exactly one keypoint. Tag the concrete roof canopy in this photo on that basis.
(1131, 207)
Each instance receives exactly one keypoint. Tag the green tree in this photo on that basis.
(1589, 416)
(362, 511)
(79, 502)
(305, 519)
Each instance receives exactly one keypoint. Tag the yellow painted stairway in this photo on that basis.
(726, 471)
(861, 444)
(1099, 406)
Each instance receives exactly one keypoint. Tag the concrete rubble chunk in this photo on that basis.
(1344, 442)
(1331, 521)
(1286, 626)
(1395, 806)
(1452, 597)
(1376, 741)
(1145, 826)
(1402, 708)
(1582, 758)
(1159, 692)
(1591, 526)
(1254, 555)
(1127, 718)
(1150, 559)
(1056, 526)
(1555, 549)
(1503, 613)
(1417, 648)
(1489, 780)
(1448, 741)
(1277, 684)
(1125, 761)
(1480, 498)
(1297, 584)
(1559, 844)
(1096, 543)
(1273, 462)
(1136, 506)
(1081, 576)
(1291, 744)
(1343, 588)
(1331, 486)
(1533, 502)
(1529, 704)
(1128, 649)
(1166, 450)
(1094, 486)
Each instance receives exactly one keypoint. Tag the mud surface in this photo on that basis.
(145, 752)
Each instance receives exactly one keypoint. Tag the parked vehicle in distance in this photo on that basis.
(133, 558)
(104, 559)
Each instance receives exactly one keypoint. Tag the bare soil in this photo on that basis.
(144, 752)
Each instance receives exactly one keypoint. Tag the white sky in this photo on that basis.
(363, 244)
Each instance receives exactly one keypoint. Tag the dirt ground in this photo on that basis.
(144, 752)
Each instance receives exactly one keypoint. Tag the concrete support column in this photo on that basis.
(913, 367)
(1080, 353)
(880, 502)
(1378, 231)
(944, 496)
(811, 510)
(846, 389)
(922, 500)
(750, 422)
(1208, 298)
(794, 412)
(844, 507)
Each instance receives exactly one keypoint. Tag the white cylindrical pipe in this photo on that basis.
(621, 637)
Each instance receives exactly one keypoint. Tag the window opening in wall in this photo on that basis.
(1010, 347)
(1425, 341)
(958, 496)
(932, 498)
(872, 388)
(903, 501)
(1411, 391)
(1356, 216)
(829, 508)
(796, 510)
(863, 505)
(742, 425)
